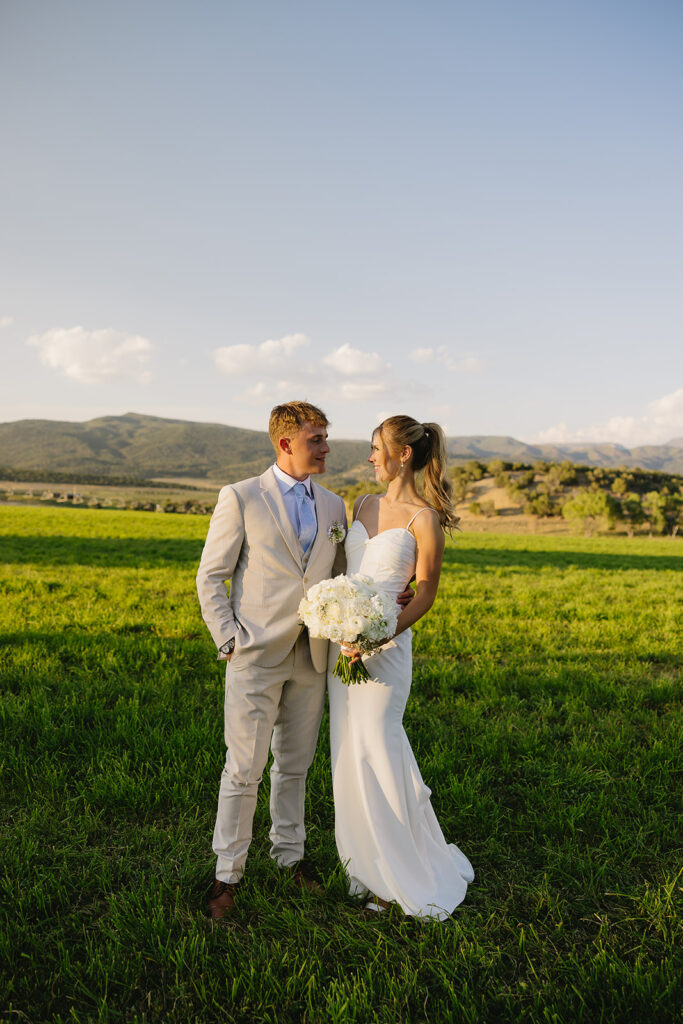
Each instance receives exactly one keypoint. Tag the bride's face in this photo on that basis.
(386, 465)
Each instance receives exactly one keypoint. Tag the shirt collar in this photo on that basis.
(286, 481)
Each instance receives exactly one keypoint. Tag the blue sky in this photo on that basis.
(466, 212)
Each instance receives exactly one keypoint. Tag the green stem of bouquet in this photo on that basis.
(348, 673)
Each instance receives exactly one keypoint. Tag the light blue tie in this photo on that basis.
(308, 525)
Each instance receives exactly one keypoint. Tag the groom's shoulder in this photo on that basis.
(244, 489)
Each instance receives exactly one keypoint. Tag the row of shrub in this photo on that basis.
(594, 496)
(74, 499)
(659, 512)
(563, 474)
(57, 477)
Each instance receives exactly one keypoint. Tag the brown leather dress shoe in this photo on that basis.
(221, 899)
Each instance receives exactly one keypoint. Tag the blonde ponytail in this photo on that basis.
(429, 454)
(438, 490)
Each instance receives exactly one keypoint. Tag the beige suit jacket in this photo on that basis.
(252, 543)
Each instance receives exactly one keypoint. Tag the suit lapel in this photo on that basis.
(322, 511)
(270, 492)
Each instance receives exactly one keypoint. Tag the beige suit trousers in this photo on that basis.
(284, 702)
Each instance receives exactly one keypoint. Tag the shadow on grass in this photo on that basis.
(138, 642)
(151, 553)
(134, 552)
(486, 558)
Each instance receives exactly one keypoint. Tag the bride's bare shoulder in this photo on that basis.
(423, 523)
(360, 500)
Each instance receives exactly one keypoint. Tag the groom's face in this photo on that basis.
(308, 450)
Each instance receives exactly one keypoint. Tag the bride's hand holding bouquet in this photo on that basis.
(354, 613)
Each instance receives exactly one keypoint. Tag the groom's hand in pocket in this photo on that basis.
(226, 650)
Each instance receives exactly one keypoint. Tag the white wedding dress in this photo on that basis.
(387, 834)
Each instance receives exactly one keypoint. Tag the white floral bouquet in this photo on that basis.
(349, 610)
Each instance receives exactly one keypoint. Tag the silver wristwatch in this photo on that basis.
(228, 647)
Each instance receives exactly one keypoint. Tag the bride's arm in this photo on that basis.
(430, 547)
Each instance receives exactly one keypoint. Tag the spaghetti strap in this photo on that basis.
(361, 504)
(425, 509)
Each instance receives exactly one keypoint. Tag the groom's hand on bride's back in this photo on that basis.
(406, 596)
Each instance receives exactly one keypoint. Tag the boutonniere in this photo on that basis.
(336, 532)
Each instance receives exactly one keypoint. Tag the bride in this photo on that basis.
(387, 834)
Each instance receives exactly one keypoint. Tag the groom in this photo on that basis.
(270, 536)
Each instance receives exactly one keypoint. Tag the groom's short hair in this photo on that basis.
(287, 420)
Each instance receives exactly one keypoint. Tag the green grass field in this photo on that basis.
(545, 716)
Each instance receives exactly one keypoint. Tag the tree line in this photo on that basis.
(594, 497)
(57, 477)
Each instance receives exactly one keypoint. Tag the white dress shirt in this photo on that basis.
(286, 483)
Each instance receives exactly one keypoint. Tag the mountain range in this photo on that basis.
(149, 447)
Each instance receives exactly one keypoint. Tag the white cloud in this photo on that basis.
(93, 356)
(6, 321)
(422, 355)
(276, 371)
(353, 362)
(270, 357)
(662, 421)
(469, 364)
(441, 355)
(364, 375)
(357, 390)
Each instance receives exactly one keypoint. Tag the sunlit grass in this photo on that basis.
(545, 716)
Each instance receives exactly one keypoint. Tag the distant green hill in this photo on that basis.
(149, 446)
(484, 448)
(667, 458)
(146, 447)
